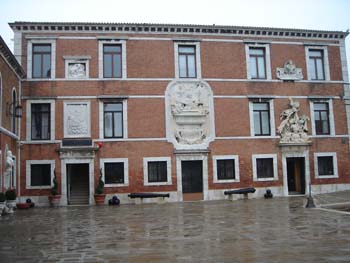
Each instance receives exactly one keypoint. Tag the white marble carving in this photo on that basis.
(189, 114)
(77, 122)
(293, 129)
(76, 70)
(289, 72)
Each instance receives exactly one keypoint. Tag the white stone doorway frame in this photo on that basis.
(64, 163)
(192, 157)
(303, 154)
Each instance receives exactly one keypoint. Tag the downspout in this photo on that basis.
(346, 97)
(19, 143)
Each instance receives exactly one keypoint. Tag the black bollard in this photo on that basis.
(310, 201)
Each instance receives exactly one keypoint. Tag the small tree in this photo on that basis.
(101, 184)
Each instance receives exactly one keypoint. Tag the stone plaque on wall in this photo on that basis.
(76, 119)
(189, 114)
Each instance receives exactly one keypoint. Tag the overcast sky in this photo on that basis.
(304, 14)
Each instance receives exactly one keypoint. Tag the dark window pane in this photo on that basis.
(36, 66)
(226, 169)
(157, 171)
(42, 48)
(321, 116)
(107, 66)
(184, 49)
(112, 48)
(113, 120)
(114, 173)
(41, 61)
(264, 168)
(325, 165)
(316, 65)
(47, 66)
(40, 175)
(117, 70)
(40, 118)
(261, 113)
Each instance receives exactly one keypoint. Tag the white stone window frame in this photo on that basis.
(272, 118)
(29, 119)
(331, 117)
(88, 119)
(77, 60)
(115, 160)
(156, 159)
(198, 59)
(335, 165)
(265, 156)
(267, 60)
(101, 43)
(125, 118)
(325, 62)
(215, 170)
(30, 56)
(28, 173)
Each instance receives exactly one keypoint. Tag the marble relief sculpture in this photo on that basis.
(77, 124)
(76, 70)
(293, 129)
(289, 72)
(189, 113)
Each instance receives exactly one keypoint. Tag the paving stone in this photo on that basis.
(276, 230)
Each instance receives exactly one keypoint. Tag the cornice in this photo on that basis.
(183, 29)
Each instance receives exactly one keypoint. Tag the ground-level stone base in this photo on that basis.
(277, 191)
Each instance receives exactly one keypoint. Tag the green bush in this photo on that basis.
(10, 194)
(2, 197)
(101, 184)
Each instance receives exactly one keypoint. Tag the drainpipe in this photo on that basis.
(19, 143)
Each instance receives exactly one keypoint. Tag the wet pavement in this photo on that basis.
(274, 230)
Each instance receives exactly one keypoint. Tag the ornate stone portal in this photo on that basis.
(293, 129)
(189, 114)
(289, 72)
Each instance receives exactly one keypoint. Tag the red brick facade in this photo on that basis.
(150, 67)
(10, 83)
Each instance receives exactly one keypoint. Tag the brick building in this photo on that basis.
(181, 109)
(11, 74)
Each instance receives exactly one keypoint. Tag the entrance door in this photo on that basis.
(78, 184)
(296, 175)
(192, 180)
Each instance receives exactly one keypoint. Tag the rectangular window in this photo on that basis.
(257, 63)
(325, 165)
(41, 61)
(316, 64)
(113, 120)
(40, 174)
(264, 168)
(40, 126)
(226, 169)
(187, 61)
(157, 171)
(321, 117)
(261, 112)
(112, 61)
(114, 173)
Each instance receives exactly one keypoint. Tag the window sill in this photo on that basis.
(116, 185)
(326, 176)
(38, 187)
(157, 184)
(265, 179)
(226, 181)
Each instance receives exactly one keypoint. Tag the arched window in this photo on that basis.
(14, 102)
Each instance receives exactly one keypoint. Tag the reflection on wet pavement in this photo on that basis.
(274, 230)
